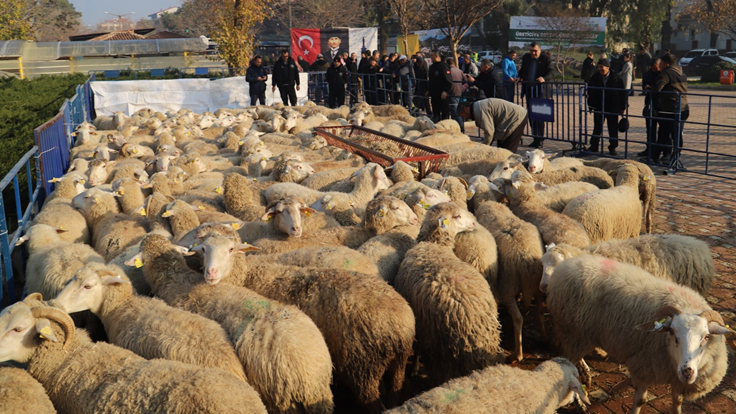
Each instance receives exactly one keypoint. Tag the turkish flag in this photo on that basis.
(305, 43)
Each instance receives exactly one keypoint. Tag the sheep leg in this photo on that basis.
(676, 403)
(640, 395)
(583, 370)
(539, 299)
(513, 308)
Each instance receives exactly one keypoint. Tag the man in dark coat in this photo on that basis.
(673, 106)
(370, 81)
(285, 76)
(536, 69)
(651, 104)
(588, 68)
(302, 63)
(440, 85)
(337, 78)
(607, 104)
(256, 77)
(486, 81)
(404, 78)
(421, 75)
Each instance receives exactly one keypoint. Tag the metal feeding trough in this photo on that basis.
(384, 149)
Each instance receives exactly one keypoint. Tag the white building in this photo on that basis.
(688, 34)
(158, 14)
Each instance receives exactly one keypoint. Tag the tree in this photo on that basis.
(235, 23)
(13, 25)
(319, 13)
(192, 19)
(501, 20)
(646, 21)
(719, 16)
(410, 15)
(456, 17)
(51, 20)
(565, 28)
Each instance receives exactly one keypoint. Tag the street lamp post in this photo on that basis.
(119, 17)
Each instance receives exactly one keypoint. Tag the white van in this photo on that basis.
(689, 56)
(495, 56)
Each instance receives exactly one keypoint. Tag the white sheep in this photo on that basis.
(85, 377)
(22, 394)
(681, 259)
(613, 213)
(456, 315)
(666, 333)
(539, 162)
(503, 389)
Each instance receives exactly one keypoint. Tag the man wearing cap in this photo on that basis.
(337, 78)
(285, 76)
(606, 104)
(318, 83)
(404, 76)
(499, 119)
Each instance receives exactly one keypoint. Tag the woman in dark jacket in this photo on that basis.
(422, 76)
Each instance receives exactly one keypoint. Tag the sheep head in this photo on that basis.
(553, 257)
(444, 221)
(505, 168)
(570, 378)
(24, 325)
(386, 212)
(98, 172)
(536, 160)
(690, 335)
(287, 216)
(85, 291)
(218, 252)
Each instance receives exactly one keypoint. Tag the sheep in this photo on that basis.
(331, 114)
(60, 212)
(472, 151)
(396, 227)
(20, 393)
(85, 377)
(420, 197)
(681, 259)
(337, 207)
(613, 213)
(369, 181)
(442, 138)
(134, 322)
(454, 187)
(503, 389)
(647, 186)
(505, 168)
(367, 326)
(242, 199)
(323, 181)
(108, 123)
(285, 355)
(556, 197)
(519, 264)
(309, 123)
(553, 227)
(79, 165)
(112, 232)
(52, 261)
(182, 218)
(478, 249)
(539, 162)
(592, 175)
(597, 302)
(456, 316)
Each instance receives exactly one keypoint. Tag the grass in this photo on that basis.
(26, 104)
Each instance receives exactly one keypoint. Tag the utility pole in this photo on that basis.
(119, 17)
(289, 17)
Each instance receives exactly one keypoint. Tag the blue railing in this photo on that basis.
(50, 159)
(8, 239)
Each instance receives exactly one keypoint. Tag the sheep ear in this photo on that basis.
(494, 187)
(22, 239)
(169, 213)
(113, 280)
(245, 247)
(60, 229)
(716, 328)
(43, 327)
(307, 211)
(444, 222)
(269, 215)
(656, 326)
(34, 296)
(550, 155)
(579, 391)
(540, 186)
(187, 252)
(136, 260)
(549, 247)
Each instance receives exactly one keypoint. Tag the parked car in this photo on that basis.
(700, 64)
(495, 56)
(731, 55)
(689, 56)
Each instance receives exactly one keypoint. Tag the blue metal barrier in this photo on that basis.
(8, 239)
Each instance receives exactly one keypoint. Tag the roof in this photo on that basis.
(164, 34)
(134, 34)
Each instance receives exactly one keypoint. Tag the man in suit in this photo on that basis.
(335, 51)
(607, 98)
(536, 69)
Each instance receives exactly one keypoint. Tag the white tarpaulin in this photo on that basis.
(364, 37)
(198, 95)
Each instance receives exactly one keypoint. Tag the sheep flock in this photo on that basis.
(182, 251)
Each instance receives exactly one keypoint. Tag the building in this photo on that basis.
(158, 14)
(115, 25)
(688, 34)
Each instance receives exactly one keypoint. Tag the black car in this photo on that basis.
(701, 64)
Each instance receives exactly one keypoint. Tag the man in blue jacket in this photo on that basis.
(510, 75)
(256, 77)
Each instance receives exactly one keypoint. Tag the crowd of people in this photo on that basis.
(437, 86)
(664, 87)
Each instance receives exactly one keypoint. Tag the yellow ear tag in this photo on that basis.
(143, 212)
(46, 330)
(307, 214)
(82, 181)
(268, 219)
(235, 226)
(218, 190)
(135, 151)
(646, 178)
(380, 213)
(61, 227)
(255, 179)
(585, 390)
(415, 169)
(176, 181)
(121, 191)
(200, 208)
(96, 199)
(445, 222)
(610, 172)
(167, 213)
(328, 206)
(469, 195)
(260, 143)
(138, 263)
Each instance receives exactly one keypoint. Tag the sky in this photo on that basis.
(93, 11)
